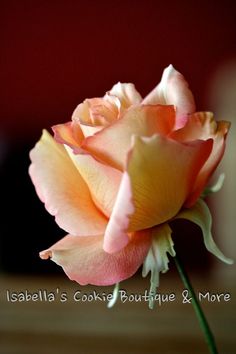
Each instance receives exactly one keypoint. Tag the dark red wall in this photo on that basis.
(56, 53)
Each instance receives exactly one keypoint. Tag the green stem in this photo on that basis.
(197, 308)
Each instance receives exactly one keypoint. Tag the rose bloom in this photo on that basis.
(119, 171)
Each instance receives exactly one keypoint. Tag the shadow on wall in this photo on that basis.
(26, 227)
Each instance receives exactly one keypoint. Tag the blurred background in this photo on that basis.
(54, 54)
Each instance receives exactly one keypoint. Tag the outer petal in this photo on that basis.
(168, 171)
(62, 189)
(112, 144)
(127, 94)
(203, 126)
(84, 260)
(173, 90)
(103, 181)
(159, 177)
(116, 236)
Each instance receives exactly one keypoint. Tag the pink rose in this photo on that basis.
(119, 171)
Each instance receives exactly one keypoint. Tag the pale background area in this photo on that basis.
(222, 97)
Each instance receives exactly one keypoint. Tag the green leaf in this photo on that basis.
(157, 259)
(200, 215)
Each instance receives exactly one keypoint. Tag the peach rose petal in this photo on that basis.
(103, 111)
(166, 179)
(112, 144)
(159, 177)
(81, 116)
(60, 186)
(173, 89)
(84, 260)
(103, 181)
(95, 113)
(203, 126)
(69, 133)
(127, 94)
(116, 236)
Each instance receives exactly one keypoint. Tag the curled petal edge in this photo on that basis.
(84, 260)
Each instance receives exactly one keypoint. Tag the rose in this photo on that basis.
(119, 171)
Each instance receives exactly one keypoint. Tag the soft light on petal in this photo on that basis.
(82, 117)
(161, 173)
(69, 133)
(116, 236)
(103, 181)
(112, 144)
(159, 176)
(127, 94)
(173, 90)
(60, 186)
(84, 260)
(200, 215)
(103, 111)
